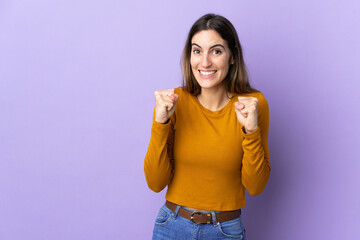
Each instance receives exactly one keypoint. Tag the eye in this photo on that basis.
(196, 51)
(217, 52)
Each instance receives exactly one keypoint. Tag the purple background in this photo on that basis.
(76, 99)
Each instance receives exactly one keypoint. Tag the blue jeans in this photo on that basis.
(169, 225)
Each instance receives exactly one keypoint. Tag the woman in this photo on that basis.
(209, 139)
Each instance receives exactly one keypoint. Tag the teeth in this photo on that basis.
(207, 73)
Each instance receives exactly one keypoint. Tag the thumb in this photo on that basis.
(239, 105)
(239, 115)
(174, 97)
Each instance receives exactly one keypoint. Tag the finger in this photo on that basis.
(169, 107)
(243, 112)
(247, 98)
(239, 114)
(239, 105)
(237, 109)
(163, 103)
(174, 97)
(163, 97)
(156, 93)
(170, 99)
(250, 107)
(169, 91)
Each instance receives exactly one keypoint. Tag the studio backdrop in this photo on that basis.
(76, 101)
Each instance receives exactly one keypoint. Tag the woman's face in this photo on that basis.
(210, 58)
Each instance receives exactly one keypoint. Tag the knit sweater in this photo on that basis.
(205, 157)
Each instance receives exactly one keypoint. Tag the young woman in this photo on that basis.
(209, 139)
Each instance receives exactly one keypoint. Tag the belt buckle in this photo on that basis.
(198, 213)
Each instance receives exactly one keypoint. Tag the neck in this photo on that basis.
(213, 99)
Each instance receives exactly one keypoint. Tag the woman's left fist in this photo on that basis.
(246, 112)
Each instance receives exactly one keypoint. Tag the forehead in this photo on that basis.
(206, 38)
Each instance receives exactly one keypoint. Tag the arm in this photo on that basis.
(158, 163)
(256, 161)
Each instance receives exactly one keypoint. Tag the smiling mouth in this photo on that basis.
(206, 73)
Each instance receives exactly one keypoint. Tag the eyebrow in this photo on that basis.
(216, 45)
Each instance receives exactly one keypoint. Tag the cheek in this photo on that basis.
(223, 64)
(192, 66)
(192, 62)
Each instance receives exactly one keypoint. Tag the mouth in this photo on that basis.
(207, 73)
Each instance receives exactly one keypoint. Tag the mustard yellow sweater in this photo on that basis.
(205, 157)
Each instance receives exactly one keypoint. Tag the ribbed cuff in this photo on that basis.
(160, 129)
(252, 135)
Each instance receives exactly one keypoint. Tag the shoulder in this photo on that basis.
(182, 94)
(178, 91)
(261, 98)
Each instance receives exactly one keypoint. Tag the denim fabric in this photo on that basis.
(169, 225)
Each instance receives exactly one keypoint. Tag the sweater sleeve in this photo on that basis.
(158, 163)
(256, 161)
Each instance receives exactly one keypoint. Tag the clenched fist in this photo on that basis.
(165, 102)
(246, 112)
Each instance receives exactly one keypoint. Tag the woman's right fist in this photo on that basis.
(165, 102)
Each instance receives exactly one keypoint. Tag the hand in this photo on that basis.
(165, 102)
(246, 112)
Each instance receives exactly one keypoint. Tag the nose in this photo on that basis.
(206, 61)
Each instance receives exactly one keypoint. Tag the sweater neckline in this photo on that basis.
(214, 113)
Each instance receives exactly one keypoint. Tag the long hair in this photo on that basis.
(237, 80)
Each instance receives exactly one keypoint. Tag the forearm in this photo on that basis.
(157, 164)
(256, 164)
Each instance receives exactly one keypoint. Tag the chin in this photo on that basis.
(209, 85)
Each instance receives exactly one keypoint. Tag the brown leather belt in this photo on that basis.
(199, 217)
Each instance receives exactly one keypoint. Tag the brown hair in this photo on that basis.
(236, 80)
